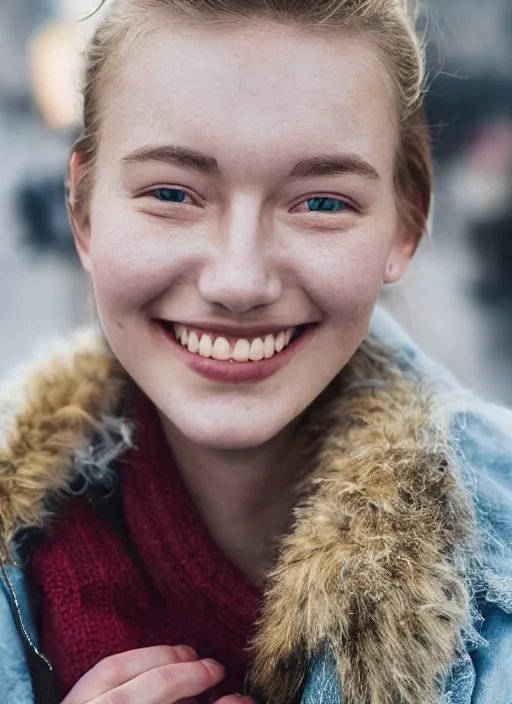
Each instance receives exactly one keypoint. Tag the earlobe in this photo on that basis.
(390, 272)
(403, 250)
(395, 269)
(78, 217)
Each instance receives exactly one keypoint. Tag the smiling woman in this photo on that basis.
(251, 459)
(243, 244)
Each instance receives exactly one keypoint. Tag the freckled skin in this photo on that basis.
(258, 100)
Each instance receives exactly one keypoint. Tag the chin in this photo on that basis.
(230, 434)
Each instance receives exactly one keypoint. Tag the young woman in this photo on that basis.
(248, 484)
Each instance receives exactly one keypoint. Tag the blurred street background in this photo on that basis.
(457, 297)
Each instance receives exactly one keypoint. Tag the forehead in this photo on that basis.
(264, 89)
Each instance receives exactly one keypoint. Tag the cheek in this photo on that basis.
(128, 267)
(345, 277)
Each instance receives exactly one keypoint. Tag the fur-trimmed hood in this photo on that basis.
(389, 546)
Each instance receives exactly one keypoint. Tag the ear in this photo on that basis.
(405, 244)
(77, 212)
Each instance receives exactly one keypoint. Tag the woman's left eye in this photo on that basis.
(326, 205)
(170, 195)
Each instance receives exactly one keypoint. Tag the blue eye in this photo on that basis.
(169, 195)
(325, 205)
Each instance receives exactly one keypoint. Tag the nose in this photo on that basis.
(240, 274)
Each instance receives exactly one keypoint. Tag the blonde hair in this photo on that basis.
(388, 24)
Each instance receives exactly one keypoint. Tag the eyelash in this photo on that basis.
(346, 206)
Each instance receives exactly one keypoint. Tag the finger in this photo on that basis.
(166, 685)
(116, 670)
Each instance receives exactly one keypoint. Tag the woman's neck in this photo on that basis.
(244, 497)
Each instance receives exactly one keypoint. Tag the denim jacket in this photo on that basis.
(481, 435)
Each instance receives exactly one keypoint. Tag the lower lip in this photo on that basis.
(236, 372)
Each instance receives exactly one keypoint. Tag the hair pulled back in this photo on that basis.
(388, 24)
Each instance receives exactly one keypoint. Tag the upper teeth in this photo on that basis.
(243, 350)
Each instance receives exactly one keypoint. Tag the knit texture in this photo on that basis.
(94, 602)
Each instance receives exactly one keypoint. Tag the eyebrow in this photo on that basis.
(334, 165)
(323, 165)
(179, 156)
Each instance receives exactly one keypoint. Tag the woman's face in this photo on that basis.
(244, 187)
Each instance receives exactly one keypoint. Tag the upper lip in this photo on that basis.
(235, 331)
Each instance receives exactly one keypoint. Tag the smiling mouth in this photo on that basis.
(233, 349)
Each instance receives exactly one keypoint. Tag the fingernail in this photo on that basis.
(214, 663)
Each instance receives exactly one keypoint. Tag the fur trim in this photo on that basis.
(374, 568)
(49, 415)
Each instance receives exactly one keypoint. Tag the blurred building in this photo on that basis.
(476, 35)
(445, 300)
(40, 291)
(18, 21)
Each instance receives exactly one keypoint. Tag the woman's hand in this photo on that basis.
(159, 675)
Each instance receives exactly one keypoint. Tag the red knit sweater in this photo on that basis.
(95, 603)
